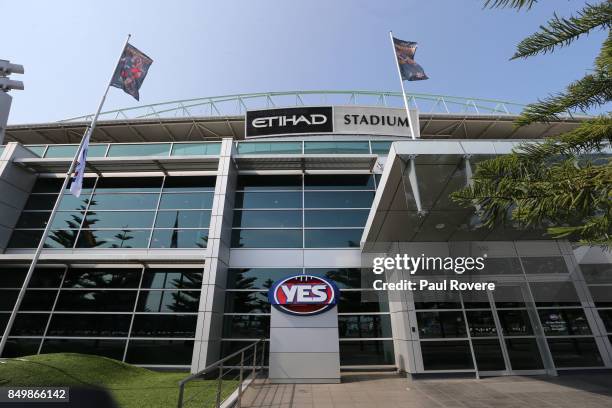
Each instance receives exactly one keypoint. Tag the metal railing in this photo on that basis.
(228, 105)
(249, 360)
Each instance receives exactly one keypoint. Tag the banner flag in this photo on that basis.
(410, 70)
(131, 70)
(77, 181)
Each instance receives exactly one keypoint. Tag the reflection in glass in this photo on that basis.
(332, 238)
(102, 278)
(335, 218)
(268, 200)
(247, 302)
(172, 279)
(268, 219)
(129, 201)
(124, 238)
(106, 348)
(364, 326)
(481, 323)
(92, 325)
(176, 238)
(338, 199)
(164, 326)
(168, 301)
(434, 325)
(515, 322)
(246, 326)
(183, 219)
(544, 265)
(196, 201)
(264, 238)
(257, 278)
(119, 219)
(564, 322)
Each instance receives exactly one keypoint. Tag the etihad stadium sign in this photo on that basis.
(350, 120)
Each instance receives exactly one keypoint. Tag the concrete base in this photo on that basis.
(304, 349)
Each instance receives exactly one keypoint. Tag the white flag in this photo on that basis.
(77, 181)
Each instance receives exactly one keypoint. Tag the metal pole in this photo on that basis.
(240, 381)
(254, 362)
(219, 383)
(43, 238)
(402, 84)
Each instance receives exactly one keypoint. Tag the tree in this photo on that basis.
(564, 184)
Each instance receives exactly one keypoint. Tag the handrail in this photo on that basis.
(220, 366)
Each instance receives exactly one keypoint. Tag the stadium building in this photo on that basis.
(192, 209)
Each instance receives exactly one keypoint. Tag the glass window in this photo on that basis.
(332, 238)
(124, 201)
(247, 302)
(196, 149)
(66, 219)
(524, 354)
(564, 322)
(508, 296)
(47, 201)
(46, 277)
(96, 300)
(381, 148)
(481, 323)
(364, 326)
(502, 266)
(119, 219)
(267, 183)
(29, 324)
(106, 348)
(102, 278)
(488, 355)
(172, 279)
(581, 352)
(37, 300)
(433, 325)
(175, 238)
(336, 147)
(89, 325)
(338, 199)
(338, 182)
(183, 219)
(446, 355)
(427, 299)
(61, 238)
(128, 185)
(178, 301)
(37, 150)
(68, 151)
(125, 238)
(53, 185)
(554, 294)
(142, 149)
(25, 238)
(246, 326)
(268, 200)
(189, 183)
(606, 317)
(164, 325)
(272, 219)
(336, 218)
(34, 219)
(597, 273)
(263, 238)
(541, 265)
(602, 295)
(21, 347)
(12, 277)
(257, 278)
(366, 301)
(195, 201)
(515, 322)
(8, 299)
(344, 278)
(160, 352)
(366, 352)
(270, 148)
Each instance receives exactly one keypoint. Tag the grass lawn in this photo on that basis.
(132, 387)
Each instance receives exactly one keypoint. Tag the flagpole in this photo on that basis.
(88, 132)
(399, 73)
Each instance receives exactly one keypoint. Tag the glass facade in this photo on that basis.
(363, 315)
(139, 315)
(118, 212)
(294, 211)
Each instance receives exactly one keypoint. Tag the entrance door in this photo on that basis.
(511, 345)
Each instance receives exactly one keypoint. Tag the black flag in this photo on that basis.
(405, 50)
(131, 70)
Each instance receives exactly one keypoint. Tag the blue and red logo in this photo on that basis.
(304, 295)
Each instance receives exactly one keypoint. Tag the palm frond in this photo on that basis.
(517, 4)
(560, 32)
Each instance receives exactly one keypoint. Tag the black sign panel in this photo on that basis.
(317, 119)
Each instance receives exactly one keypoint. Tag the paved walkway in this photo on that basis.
(385, 390)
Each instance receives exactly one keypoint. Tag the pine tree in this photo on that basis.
(563, 184)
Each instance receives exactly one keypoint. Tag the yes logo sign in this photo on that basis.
(304, 295)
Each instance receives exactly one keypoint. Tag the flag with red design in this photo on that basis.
(131, 70)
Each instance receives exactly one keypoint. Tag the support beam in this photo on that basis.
(414, 183)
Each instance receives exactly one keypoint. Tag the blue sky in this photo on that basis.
(210, 48)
